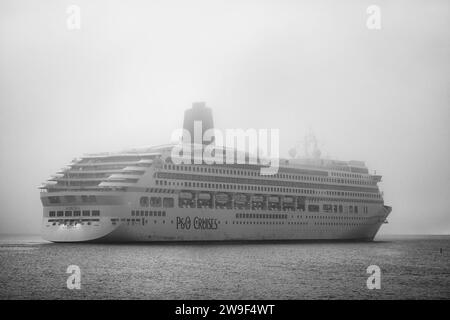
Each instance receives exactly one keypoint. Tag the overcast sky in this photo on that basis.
(125, 78)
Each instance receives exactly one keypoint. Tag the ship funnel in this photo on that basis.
(200, 115)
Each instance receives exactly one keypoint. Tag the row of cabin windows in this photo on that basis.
(112, 159)
(86, 175)
(145, 213)
(248, 216)
(340, 224)
(138, 222)
(258, 222)
(347, 175)
(269, 189)
(336, 217)
(255, 173)
(260, 216)
(210, 170)
(137, 213)
(71, 199)
(156, 202)
(94, 168)
(76, 213)
(238, 183)
(303, 223)
(75, 183)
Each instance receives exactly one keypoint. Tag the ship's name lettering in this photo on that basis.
(197, 223)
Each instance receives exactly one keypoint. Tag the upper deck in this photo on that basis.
(121, 170)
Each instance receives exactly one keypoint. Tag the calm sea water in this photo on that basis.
(412, 267)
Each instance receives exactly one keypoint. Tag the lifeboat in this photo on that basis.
(258, 198)
(222, 198)
(204, 196)
(204, 199)
(288, 200)
(240, 199)
(274, 199)
(186, 195)
(288, 203)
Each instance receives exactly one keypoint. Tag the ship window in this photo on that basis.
(95, 213)
(68, 213)
(86, 213)
(51, 214)
(356, 209)
(77, 213)
(60, 214)
(54, 199)
(168, 202)
(144, 201)
(313, 208)
(155, 202)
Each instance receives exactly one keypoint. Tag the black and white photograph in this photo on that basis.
(242, 152)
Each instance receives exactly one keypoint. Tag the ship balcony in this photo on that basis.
(105, 163)
(116, 184)
(122, 176)
(145, 162)
(66, 179)
(94, 171)
(134, 169)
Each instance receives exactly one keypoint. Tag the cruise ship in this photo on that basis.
(144, 195)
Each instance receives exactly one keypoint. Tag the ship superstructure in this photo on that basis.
(143, 194)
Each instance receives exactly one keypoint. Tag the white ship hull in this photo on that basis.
(189, 224)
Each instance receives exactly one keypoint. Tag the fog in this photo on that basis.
(126, 76)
